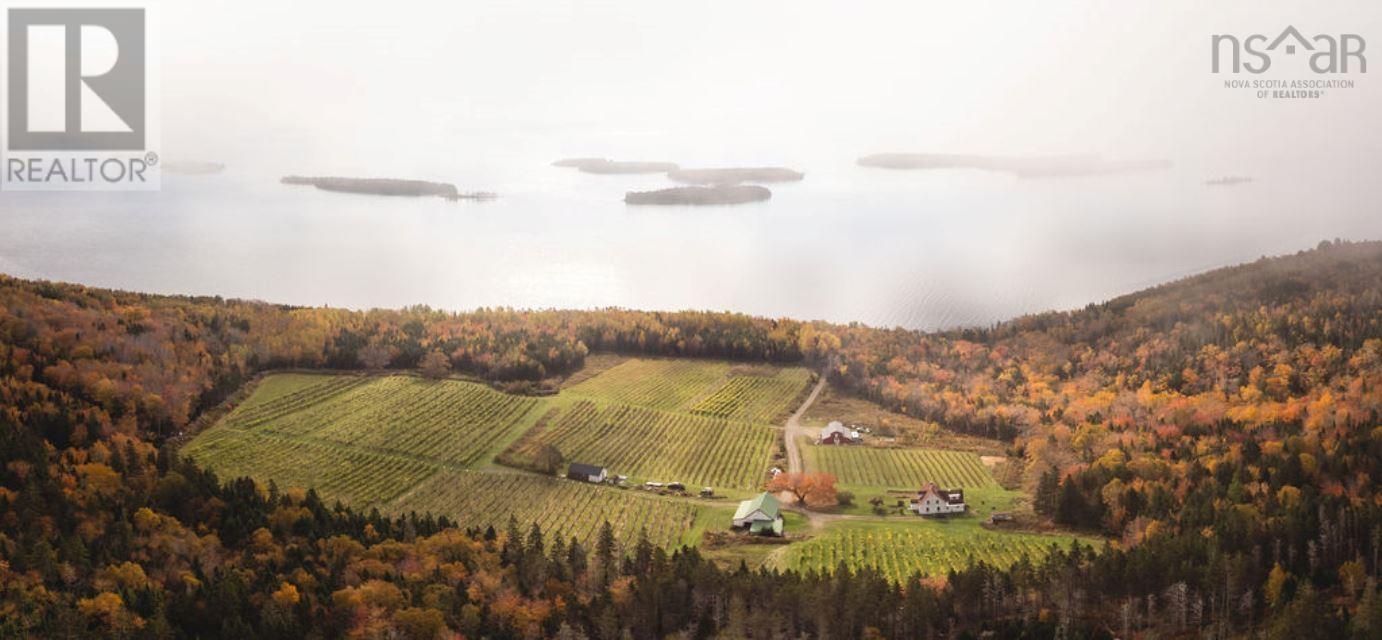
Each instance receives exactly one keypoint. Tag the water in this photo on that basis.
(917, 249)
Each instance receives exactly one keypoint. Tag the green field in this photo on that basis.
(899, 468)
(658, 445)
(760, 394)
(656, 384)
(927, 547)
(355, 476)
(362, 440)
(401, 443)
(404, 444)
(561, 507)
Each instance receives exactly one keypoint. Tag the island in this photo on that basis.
(719, 194)
(388, 187)
(1228, 181)
(736, 175)
(1060, 166)
(607, 166)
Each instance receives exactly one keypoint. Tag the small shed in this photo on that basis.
(586, 472)
(836, 433)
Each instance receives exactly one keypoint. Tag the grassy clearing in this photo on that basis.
(834, 404)
(899, 550)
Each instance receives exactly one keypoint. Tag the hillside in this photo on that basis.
(1220, 431)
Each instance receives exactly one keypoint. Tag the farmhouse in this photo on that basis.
(760, 515)
(836, 433)
(934, 501)
(586, 472)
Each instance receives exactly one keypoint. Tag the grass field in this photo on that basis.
(559, 506)
(899, 468)
(900, 550)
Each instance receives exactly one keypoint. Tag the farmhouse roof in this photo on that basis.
(836, 427)
(585, 469)
(1291, 31)
(763, 501)
(952, 497)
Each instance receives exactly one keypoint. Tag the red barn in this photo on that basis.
(836, 433)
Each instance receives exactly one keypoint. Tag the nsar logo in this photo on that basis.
(1256, 53)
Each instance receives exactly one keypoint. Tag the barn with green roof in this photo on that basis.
(761, 515)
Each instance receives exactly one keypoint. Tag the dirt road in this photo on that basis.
(793, 429)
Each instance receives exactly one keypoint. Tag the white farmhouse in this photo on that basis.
(935, 501)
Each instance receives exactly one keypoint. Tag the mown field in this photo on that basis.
(899, 468)
(928, 548)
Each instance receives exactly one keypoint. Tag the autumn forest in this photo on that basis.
(1220, 432)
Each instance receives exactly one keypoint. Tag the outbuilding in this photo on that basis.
(586, 472)
(761, 515)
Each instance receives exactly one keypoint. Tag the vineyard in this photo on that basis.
(754, 398)
(363, 440)
(899, 468)
(405, 444)
(899, 551)
(657, 384)
(560, 507)
(354, 476)
(759, 394)
(656, 445)
(447, 422)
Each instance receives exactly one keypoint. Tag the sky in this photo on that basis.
(1122, 79)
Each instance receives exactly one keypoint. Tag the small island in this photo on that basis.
(736, 175)
(388, 187)
(1063, 166)
(1228, 181)
(613, 167)
(719, 194)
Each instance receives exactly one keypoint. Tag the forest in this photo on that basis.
(1221, 431)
